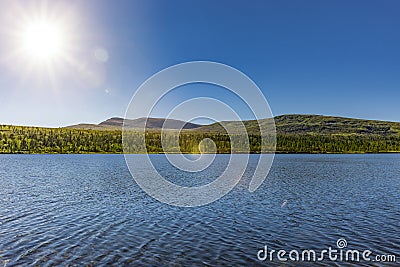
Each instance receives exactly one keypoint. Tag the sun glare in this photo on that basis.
(43, 41)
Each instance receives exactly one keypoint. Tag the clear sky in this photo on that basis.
(309, 57)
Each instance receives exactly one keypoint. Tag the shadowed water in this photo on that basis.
(87, 210)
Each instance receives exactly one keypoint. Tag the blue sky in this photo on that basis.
(309, 57)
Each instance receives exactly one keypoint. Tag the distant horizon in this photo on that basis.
(202, 124)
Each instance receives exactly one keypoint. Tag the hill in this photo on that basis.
(313, 124)
(116, 123)
(285, 124)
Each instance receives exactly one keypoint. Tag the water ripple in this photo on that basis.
(87, 210)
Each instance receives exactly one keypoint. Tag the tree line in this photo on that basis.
(34, 140)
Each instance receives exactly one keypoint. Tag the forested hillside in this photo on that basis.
(295, 134)
(19, 139)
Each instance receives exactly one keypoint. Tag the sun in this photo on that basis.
(43, 41)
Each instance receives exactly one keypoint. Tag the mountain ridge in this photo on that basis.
(285, 124)
(139, 123)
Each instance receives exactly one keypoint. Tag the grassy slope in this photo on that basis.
(315, 124)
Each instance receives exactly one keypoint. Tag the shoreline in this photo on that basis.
(251, 153)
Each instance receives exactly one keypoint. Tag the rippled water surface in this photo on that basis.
(87, 210)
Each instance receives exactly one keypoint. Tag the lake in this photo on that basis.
(88, 210)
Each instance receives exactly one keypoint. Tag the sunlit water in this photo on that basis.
(87, 210)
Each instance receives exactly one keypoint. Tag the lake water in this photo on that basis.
(88, 210)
